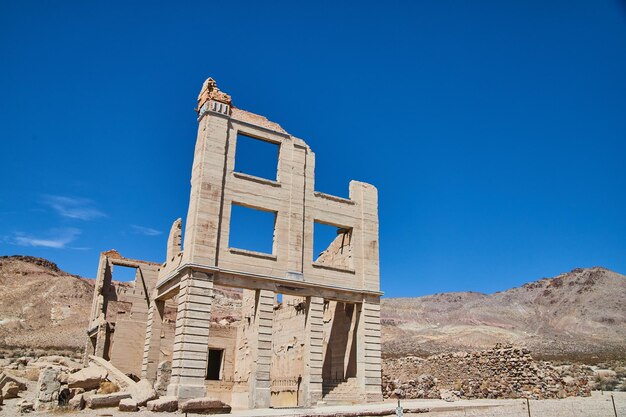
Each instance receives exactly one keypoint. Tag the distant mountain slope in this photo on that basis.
(581, 314)
(42, 306)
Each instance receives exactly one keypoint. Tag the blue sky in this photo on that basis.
(494, 131)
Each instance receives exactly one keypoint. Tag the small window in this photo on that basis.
(256, 157)
(214, 365)
(252, 229)
(332, 245)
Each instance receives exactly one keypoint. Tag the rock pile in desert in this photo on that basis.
(502, 372)
(60, 384)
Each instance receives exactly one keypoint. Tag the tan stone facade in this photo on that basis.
(320, 342)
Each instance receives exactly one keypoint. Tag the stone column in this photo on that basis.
(313, 360)
(98, 312)
(102, 340)
(201, 237)
(365, 235)
(368, 349)
(152, 345)
(190, 353)
(262, 350)
(296, 177)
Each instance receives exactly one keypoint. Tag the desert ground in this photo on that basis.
(597, 405)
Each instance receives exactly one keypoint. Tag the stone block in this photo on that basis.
(205, 406)
(88, 378)
(128, 404)
(77, 402)
(105, 400)
(163, 404)
(143, 392)
(48, 387)
(24, 406)
(10, 390)
(6, 377)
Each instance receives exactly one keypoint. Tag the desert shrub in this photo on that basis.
(107, 387)
(606, 383)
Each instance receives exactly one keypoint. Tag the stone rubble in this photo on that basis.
(168, 404)
(143, 392)
(6, 377)
(48, 388)
(24, 406)
(164, 374)
(77, 402)
(88, 378)
(502, 372)
(128, 404)
(204, 406)
(105, 400)
(63, 384)
(10, 390)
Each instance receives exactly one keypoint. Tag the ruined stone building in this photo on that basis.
(284, 328)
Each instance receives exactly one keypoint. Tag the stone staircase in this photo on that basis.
(341, 393)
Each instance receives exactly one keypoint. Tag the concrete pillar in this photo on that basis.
(190, 353)
(152, 345)
(262, 350)
(313, 360)
(368, 350)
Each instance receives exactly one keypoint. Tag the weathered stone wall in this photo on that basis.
(502, 372)
(288, 345)
(119, 312)
(224, 337)
(288, 338)
(339, 352)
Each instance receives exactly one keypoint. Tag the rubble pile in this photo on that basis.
(56, 383)
(502, 372)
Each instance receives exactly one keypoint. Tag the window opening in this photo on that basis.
(252, 229)
(332, 245)
(123, 273)
(256, 157)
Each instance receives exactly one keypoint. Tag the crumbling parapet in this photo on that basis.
(174, 240)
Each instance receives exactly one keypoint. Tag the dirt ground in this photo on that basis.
(598, 405)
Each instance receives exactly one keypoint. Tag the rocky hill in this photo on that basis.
(577, 315)
(41, 306)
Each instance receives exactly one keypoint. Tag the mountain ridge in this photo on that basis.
(578, 314)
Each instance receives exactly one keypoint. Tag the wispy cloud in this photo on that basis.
(146, 231)
(72, 207)
(55, 238)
